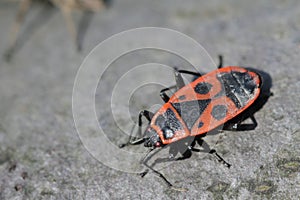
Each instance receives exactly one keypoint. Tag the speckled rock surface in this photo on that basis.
(42, 157)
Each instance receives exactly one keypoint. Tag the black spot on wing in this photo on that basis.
(168, 119)
(219, 112)
(200, 124)
(202, 88)
(190, 111)
(182, 97)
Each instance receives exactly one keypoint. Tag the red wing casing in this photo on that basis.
(206, 103)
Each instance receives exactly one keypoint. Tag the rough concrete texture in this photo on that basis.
(41, 156)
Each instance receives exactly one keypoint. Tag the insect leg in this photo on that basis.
(179, 82)
(163, 94)
(179, 79)
(175, 148)
(207, 149)
(242, 127)
(248, 126)
(220, 62)
(189, 72)
(148, 115)
(159, 174)
(144, 162)
(219, 158)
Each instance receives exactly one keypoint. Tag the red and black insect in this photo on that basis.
(211, 101)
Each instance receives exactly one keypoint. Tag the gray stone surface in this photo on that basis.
(41, 156)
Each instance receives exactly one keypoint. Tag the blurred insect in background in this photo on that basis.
(66, 7)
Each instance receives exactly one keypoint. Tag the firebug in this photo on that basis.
(216, 99)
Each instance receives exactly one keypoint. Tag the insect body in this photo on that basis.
(204, 104)
(211, 101)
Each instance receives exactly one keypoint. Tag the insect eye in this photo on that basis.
(168, 132)
(157, 144)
